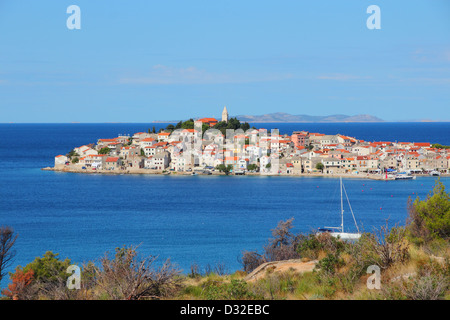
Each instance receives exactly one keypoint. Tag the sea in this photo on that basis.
(203, 220)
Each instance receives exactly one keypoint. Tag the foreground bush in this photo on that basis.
(429, 219)
(282, 246)
(430, 282)
(221, 290)
(127, 277)
(20, 281)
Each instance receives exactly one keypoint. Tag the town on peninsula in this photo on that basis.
(229, 147)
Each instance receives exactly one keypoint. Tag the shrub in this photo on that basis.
(7, 240)
(20, 282)
(220, 269)
(430, 219)
(195, 271)
(389, 245)
(128, 277)
(312, 245)
(238, 290)
(220, 290)
(283, 245)
(330, 264)
(48, 279)
(213, 290)
(309, 246)
(49, 268)
(431, 282)
(272, 286)
(428, 287)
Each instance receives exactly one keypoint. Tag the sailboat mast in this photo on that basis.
(342, 210)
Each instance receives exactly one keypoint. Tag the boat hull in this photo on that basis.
(405, 177)
(346, 236)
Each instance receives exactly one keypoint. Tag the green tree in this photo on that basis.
(245, 126)
(252, 167)
(233, 123)
(104, 150)
(75, 160)
(49, 268)
(225, 169)
(205, 127)
(430, 219)
(188, 124)
(73, 154)
(439, 146)
(320, 166)
(170, 127)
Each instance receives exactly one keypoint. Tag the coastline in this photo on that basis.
(366, 176)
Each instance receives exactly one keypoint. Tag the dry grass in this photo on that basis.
(398, 281)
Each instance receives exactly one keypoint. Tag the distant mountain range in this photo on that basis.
(286, 117)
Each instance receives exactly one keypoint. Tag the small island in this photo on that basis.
(207, 146)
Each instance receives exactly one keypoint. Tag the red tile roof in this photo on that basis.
(422, 144)
(108, 140)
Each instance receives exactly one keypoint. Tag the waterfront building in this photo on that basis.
(112, 163)
(60, 160)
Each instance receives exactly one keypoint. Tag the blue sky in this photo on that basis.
(140, 61)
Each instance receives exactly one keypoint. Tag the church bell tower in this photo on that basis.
(225, 114)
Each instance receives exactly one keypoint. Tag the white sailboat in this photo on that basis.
(338, 232)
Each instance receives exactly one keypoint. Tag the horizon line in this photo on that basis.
(292, 122)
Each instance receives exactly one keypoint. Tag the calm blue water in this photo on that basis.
(190, 219)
